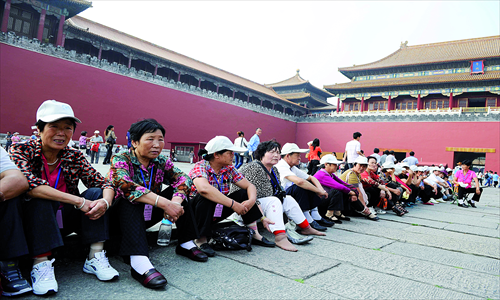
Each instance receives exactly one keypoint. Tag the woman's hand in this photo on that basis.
(478, 191)
(239, 208)
(172, 210)
(248, 204)
(97, 208)
(266, 222)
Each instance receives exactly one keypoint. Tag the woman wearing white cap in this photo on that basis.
(95, 151)
(56, 207)
(272, 199)
(211, 200)
(15, 138)
(340, 194)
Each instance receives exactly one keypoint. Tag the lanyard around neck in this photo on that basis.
(150, 177)
(57, 178)
(217, 180)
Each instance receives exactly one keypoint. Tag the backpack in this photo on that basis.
(232, 238)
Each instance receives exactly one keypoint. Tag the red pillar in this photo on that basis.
(419, 103)
(234, 94)
(100, 53)
(179, 77)
(342, 106)
(389, 103)
(41, 23)
(450, 102)
(63, 40)
(248, 98)
(199, 83)
(362, 104)
(217, 90)
(59, 41)
(338, 105)
(156, 70)
(6, 14)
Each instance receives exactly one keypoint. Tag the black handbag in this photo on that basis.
(232, 238)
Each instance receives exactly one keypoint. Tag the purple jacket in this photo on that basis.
(331, 181)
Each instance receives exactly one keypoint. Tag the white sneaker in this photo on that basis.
(433, 201)
(380, 211)
(440, 200)
(43, 278)
(100, 267)
(372, 210)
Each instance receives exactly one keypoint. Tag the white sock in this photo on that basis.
(472, 201)
(188, 245)
(460, 201)
(315, 214)
(308, 216)
(140, 263)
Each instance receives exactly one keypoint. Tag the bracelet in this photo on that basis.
(82, 204)
(156, 202)
(183, 196)
(262, 219)
(107, 203)
(231, 204)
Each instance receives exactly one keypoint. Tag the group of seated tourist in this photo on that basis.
(40, 202)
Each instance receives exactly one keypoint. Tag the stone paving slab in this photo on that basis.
(445, 257)
(224, 278)
(375, 285)
(488, 232)
(336, 234)
(427, 236)
(462, 280)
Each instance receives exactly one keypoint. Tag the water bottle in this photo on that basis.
(164, 233)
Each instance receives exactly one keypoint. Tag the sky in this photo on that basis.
(267, 41)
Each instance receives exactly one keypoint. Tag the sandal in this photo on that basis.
(398, 211)
(342, 217)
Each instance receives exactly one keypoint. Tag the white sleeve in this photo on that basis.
(299, 173)
(5, 162)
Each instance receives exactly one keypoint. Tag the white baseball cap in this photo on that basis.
(52, 110)
(361, 160)
(330, 159)
(398, 169)
(97, 131)
(414, 168)
(404, 164)
(292, 148)
(388, 165)
(220, 143)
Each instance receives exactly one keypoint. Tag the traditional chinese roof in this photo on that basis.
(417, 80)
(114, 35)
(74, 7)
(323, 108)
(461, 50)
(296, 81)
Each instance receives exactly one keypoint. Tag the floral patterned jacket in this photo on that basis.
(74, 166)
(127, 178)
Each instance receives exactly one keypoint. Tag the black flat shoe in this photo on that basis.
(151, 279)
(193, 253)
(264, 242)
(207, 250)
(343, 218)
(463, 205)
(473, 205)
(316, 226)
(372, 217)
(334, 220)
(325, 222)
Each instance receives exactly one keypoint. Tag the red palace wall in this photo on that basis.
(101, 98)
(427, 139)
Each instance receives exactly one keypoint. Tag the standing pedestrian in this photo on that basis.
(241, 142)
(191, 157)
(252, 144)
(95, 142)
(15, 138)
(352, 150)
(110, 137)
(9, 140)
(82, 141)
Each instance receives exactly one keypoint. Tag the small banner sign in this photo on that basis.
(477, 67)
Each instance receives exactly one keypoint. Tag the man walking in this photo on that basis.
(352, 150)
(411, 160)
(252, 145)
